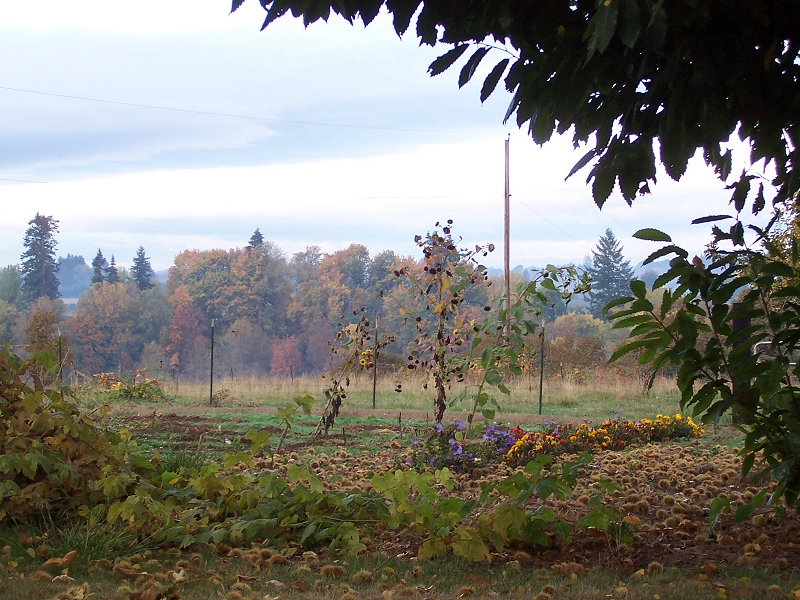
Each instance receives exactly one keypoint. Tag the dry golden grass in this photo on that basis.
(598, 397)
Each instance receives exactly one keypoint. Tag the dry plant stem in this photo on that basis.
(283, 437)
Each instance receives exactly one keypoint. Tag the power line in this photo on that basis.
(551, 223)
(22, 180)
(607, 215)
(404, 197)
(219, 114)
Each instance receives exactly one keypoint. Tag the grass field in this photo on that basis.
(671, 557)
(597, 398)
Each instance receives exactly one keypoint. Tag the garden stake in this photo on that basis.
(211, 370)
(541, 371)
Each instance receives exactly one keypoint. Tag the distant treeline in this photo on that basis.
(273, 314)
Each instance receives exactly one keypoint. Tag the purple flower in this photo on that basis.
(432, 463)
(414, 441)
(439, 428)
(455, 447)
(460, 424)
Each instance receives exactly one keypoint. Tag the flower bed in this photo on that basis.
(613, 434)
(450, 446)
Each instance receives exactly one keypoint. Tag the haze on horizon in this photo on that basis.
(182, 126)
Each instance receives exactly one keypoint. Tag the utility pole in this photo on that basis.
(506, 241)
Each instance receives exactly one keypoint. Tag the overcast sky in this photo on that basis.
(176, 125)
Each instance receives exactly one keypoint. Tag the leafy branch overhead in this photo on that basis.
(628, 77)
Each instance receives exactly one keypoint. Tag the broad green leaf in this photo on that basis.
(445, 61)
(711, 219)
(490, 83)
(630, 24)
(468, 70)
(432, 548)
(652, 235)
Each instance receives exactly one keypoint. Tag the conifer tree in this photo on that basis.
(141, 271)
(256, 240)
(112, 274)
(99, 265)
(39, 264)
(611, 274)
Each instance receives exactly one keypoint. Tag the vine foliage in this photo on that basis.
(732, 326)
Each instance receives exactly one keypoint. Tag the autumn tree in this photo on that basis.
(43, 332)
(141, 271)
(113, 323)
(9, 316)
(74, 275)
(285, 358)
(243, 349)
(39, 266)
(11, 290)
(234, 284)
(185, 329)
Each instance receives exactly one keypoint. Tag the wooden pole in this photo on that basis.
(506, 239)
(541, 371)
(375, 365)
(211, 371)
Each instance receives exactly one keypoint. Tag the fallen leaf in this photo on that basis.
(300, 586)
(62, 579)
(179, 576)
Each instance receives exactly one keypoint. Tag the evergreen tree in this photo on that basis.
(99, 266)
(611, 274)
(39, 265)
(256, 240)
(142, 272)
(112, 275)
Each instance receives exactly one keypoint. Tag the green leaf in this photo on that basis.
(469, 544)
(582, 163)
(446, 60)
(718, 506)
(308, 531)
(432, 548)
(630, 25)
(627, 348)
(468, 70)
(604, 24)
(490, 83)
(710, 219)
(652, 235)
(638, 288)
